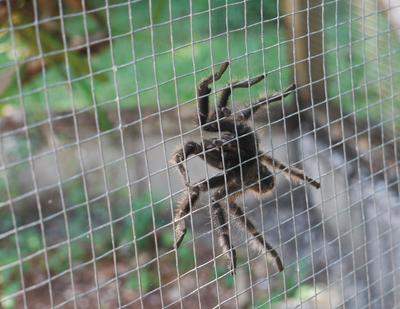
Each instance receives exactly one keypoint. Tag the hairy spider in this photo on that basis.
(235, 152)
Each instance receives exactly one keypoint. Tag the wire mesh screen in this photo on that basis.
(121, 188)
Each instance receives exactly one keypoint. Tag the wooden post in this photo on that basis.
(303, 23)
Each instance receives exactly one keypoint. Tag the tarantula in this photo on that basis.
(236, 152)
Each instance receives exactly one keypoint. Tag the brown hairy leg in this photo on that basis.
(292, 173)
(249, 227)
(221, 225)
(189, 199)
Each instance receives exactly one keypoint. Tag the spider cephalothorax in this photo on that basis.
(235, 152)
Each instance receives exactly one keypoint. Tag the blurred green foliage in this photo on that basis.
(294, 286)
(149, 59)
(160, 49)
(78, 250)
(146, 282)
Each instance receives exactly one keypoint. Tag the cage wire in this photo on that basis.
(95, 98)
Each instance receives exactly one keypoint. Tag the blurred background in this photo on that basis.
(96, 95)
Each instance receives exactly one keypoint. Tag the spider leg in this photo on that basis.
(292, 172)
(220, 222)
(203, 91)
(190, 198)
(190, 148)
(222, 110)
(226, 93)
(248, 226)
(246, 113)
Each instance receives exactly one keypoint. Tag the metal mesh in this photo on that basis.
(95, 98)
